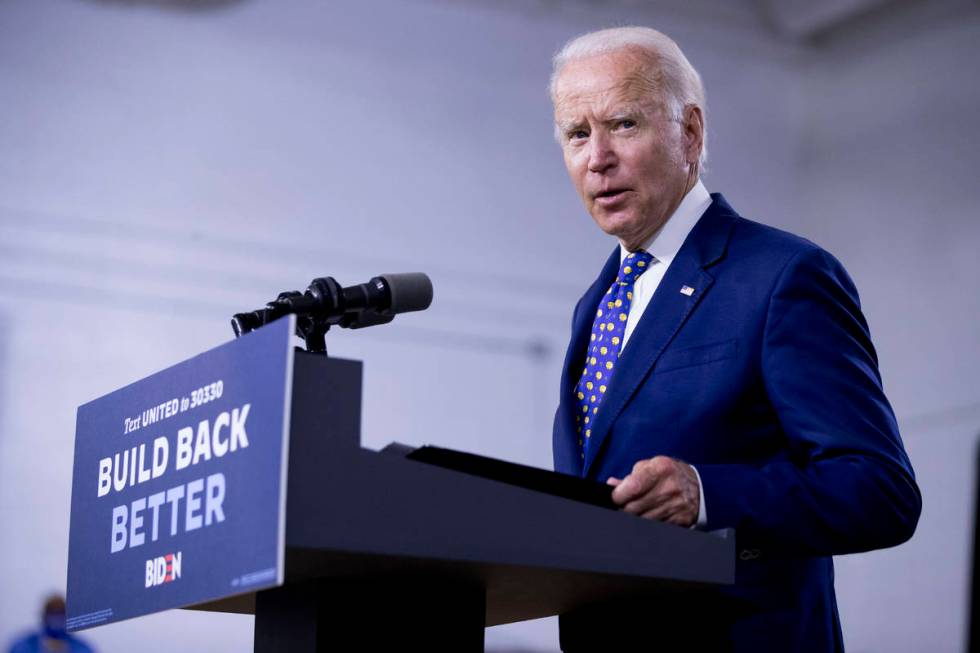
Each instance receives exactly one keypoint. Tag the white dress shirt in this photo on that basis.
(664, 246)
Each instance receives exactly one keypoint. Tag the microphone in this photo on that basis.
(366, 304)
(326, 303)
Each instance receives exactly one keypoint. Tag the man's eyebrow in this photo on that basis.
(633, 110)
(566, 126)
(624, 111)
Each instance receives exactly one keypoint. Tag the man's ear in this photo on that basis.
(693, 125)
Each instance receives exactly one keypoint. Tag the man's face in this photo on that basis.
(627, 158)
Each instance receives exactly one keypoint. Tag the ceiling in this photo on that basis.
(805, 20)
(794, 22)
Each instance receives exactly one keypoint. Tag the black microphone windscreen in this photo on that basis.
(410, 291)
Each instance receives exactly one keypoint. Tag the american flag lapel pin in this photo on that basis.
(687, 290)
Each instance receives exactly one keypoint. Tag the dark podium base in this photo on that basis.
(341, 615)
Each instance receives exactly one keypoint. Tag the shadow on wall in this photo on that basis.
(5, 370)
(173, 5)
(973, 626)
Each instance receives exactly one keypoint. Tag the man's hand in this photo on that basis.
(659, 488)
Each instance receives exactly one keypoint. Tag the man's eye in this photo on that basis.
(627, 124)
(577, 134)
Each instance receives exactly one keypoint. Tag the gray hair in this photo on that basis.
(673, 75)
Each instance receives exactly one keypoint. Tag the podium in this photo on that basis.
(381, 552)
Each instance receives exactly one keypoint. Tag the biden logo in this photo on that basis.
(163, 569)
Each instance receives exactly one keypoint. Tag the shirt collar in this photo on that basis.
(665, 244)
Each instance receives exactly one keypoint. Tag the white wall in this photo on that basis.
(162, 169)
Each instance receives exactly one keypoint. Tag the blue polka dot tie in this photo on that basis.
(605, 344)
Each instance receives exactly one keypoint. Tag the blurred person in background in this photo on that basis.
(53, 636)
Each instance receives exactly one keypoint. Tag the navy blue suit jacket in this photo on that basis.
(766, 380)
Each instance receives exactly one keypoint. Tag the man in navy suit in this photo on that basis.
(731, 383)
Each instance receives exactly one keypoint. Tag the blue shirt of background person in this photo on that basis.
(53, 636)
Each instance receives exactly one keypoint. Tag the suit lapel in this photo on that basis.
(667, 311)
(566, 449)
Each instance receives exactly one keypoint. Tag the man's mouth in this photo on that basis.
(611, 196)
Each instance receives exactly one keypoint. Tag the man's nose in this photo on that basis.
(601, 155)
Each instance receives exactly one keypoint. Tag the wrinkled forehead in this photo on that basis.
(603, 83)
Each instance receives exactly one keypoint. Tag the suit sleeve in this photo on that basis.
(846, 483)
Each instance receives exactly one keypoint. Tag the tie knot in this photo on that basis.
(635, 264)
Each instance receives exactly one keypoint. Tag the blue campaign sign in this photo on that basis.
(179, 483)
